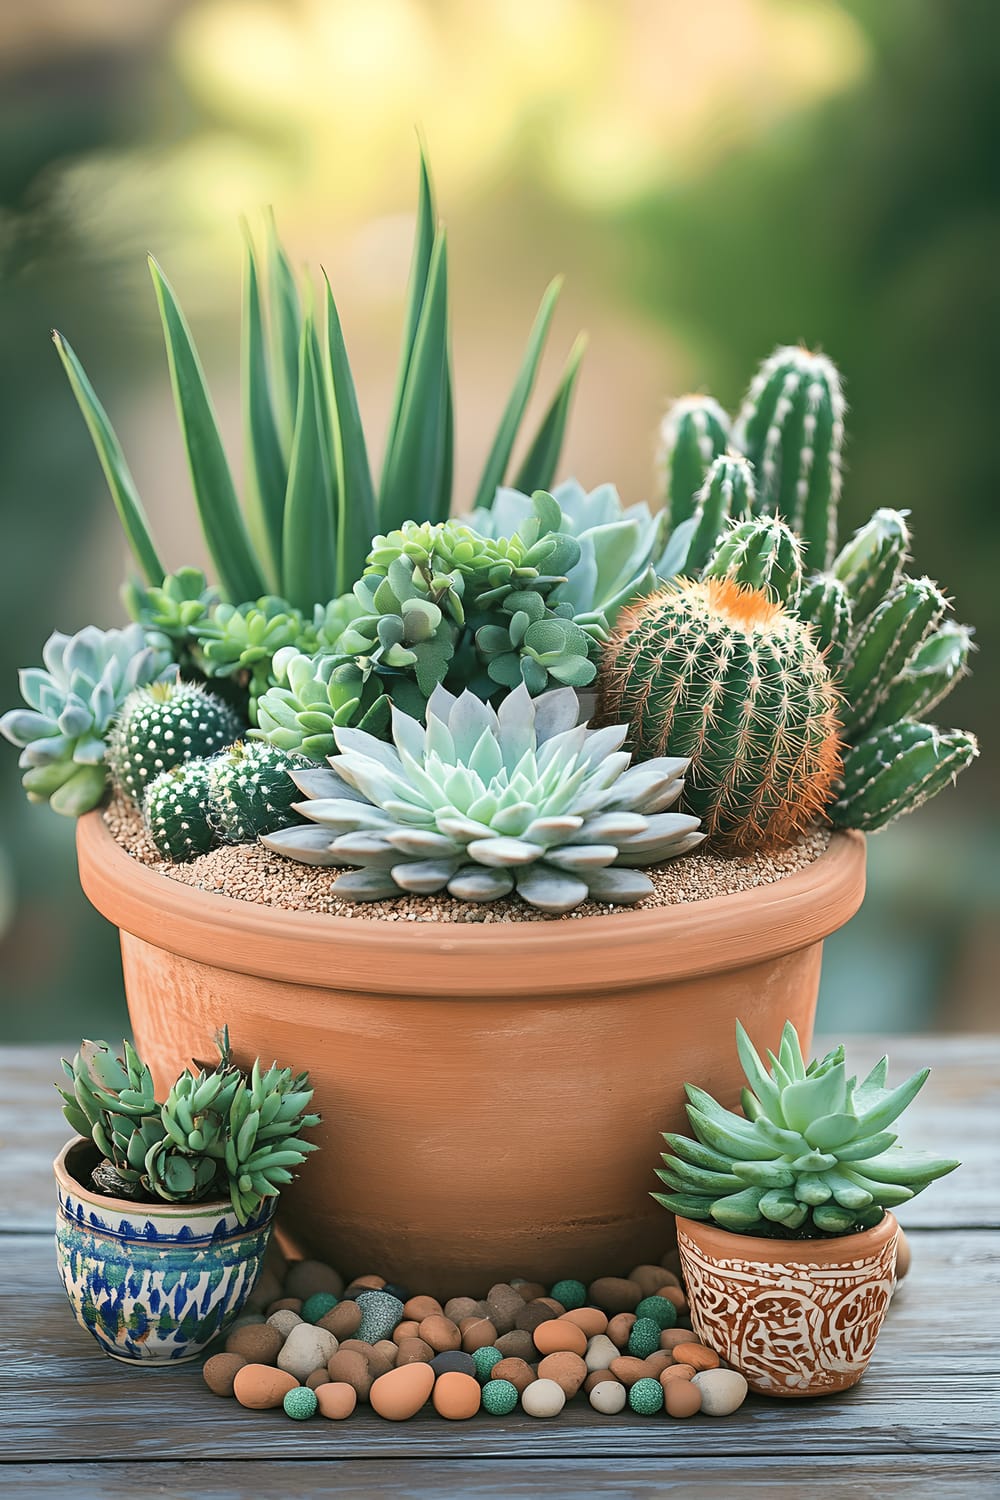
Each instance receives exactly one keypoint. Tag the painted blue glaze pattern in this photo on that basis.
(153, 1283)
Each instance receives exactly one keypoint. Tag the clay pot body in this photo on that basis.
(795, 1317)
(154, 1283)
(492, 1094)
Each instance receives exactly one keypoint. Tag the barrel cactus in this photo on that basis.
(163, 726)
(486, 802)
(812, 1153)
(72, 703)
(694, 431)
(176, 812)
(251, 791)
(761, 553)
(726, 677)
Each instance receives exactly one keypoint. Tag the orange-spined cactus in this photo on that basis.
(719, 673)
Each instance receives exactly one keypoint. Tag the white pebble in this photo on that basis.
(609, 1396)
(722, 1391)
(543, 1398)
(284, 1320)
(600, 1352)
(307, 1348)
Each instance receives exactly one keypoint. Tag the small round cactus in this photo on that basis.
(251, 791)
(176, 812)
(162, 726)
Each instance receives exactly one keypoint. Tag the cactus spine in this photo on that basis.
(728, 493)
(872, 562)
(825, 604)
(882, 647)
(694, 431)
(722, 674)
(762, 554)
(897, 768)
(791, 427)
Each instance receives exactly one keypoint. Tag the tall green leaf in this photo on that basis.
(284, 330)
(423, 245)
(218, 508)
(309, 542)
(538, 467)
(266, 469)
(356, 523)
(510, 422)
(417, 463)
(443, 508)
(130, 510)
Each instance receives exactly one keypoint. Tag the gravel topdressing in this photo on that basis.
(249, 872)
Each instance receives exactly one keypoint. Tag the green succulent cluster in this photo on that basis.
(218, 1130)
(483, 802)
(72, 702)
(811, 1154)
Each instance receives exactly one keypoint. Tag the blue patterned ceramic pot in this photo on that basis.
(153, 1283)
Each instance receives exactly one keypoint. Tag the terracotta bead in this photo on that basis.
(456, 1397)
(697, 1355)
(567, 1370)
(440, 1332)
(619, 1328)
(517, 1371)
(552, 1338)
(590, 1319)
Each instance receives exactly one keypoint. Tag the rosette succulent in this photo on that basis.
(811, 1154)
(72, 703)
(306, 702)
(219, 1130)
(483, 802)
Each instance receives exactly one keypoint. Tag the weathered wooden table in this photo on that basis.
(925, 1420)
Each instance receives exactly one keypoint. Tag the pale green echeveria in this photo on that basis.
(812, 1151)
(72, 702)
(621, 547)
(305, 704)
(484, 802)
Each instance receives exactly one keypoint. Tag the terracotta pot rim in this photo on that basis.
(66, 1178)
(778, 1252)
(578, 955)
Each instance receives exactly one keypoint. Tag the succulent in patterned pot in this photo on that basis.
(784, 1228)
(165, 1210)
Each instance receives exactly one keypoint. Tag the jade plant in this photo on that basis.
(483, 802)
(219, 1132)
(814, 1152)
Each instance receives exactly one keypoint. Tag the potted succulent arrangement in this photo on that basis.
(165, 1209)
(374, 689)
(784, 1223)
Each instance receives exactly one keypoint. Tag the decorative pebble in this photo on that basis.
(304, 1277)
(500, 1397)
(219, 1372)
(380, 1313)
(567, 1370)
(643, 1338)
(246, 1320)
(551, 1338)
(350, 1367)
(306, 1348)
(317, 1306)
(671, 1337)
(284, 1321)
(661, 1310)
(441, 1333)
(531, 1315)
(300, 1403)
(343, 1321)
(517, 1371)
(695, 1354)
(590, 1319)
(619, 1328)
(609, 1396)
(543, 1398)
(518, 1344)
(628, 1369)
(259, 1343)
(646, 1397)
(613, 1294)
(722, 1391)
(261, 1387)
(477, 1333)
(484, 1358)
(681, 1398)
(595, 1378)
(408, 1329)
(649, 1279)
(336, 1400)
(457, 1308)
(286, 1304)
(600, 1352)
(676, 1372)
(456, 1397)
(528, 1290)
(419, 1308)
(503, 1306)
(400, 1393)
(571, 1294)
(675, 1295)
(453, 1361)
(318, 1377)
(394, 1289)
(413, 1352)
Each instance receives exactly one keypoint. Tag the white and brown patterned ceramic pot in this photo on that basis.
(795, 1317)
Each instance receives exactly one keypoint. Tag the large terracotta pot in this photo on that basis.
(492, 1094)
(795, 1317)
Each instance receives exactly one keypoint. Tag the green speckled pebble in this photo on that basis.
(317, 1306)
(645, 1397)
(571, 1294)
(660, 1309)
(381, 1312)
(644, 1338)
(484, 1359)
(499, 1397)
(300, 1403)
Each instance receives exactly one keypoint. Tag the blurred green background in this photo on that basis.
(714, 178)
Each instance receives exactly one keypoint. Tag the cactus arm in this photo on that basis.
(761, 554)
(694, 431)
(894, 770)
(728, 492)
(929, 675)
(825, 604)
(871, 564)
(883, 646)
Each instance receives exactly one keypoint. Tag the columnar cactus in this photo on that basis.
(791, 427)
(728, 493)
(162, 726)
(694, 431)
(895, 769)
(871, 563)
(722, 674)
(825, 604)
(763, 554)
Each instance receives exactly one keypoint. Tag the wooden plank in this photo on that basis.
(955, 1114)
(844, 1477)
(927, 1391)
